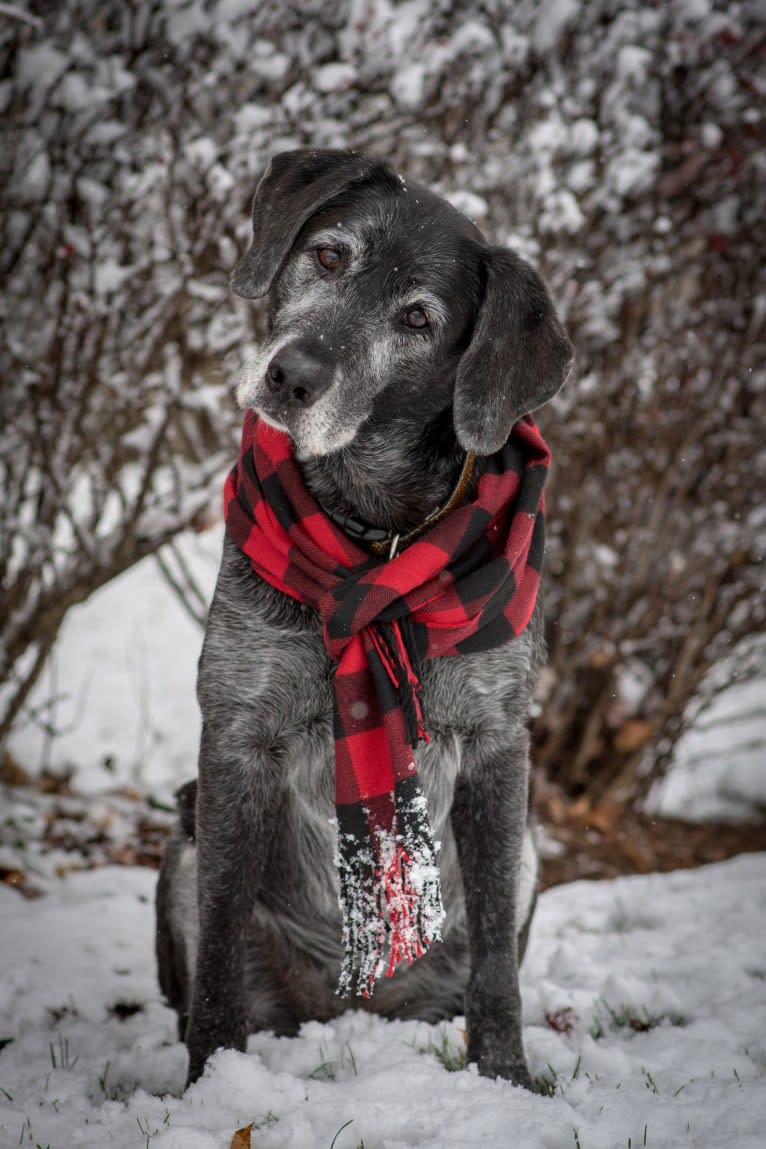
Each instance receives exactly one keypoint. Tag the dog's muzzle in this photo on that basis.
(296, 378)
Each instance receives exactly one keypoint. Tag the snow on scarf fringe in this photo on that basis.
(466, 584)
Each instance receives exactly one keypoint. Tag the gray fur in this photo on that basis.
(249, 932)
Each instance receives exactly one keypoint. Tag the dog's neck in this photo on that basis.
(391, 479)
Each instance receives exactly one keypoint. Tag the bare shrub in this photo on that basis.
(658, 512)
(114, 420)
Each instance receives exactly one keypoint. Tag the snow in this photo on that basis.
(552, 22)
(330, 77)
(120, 687)
(469, 204)
(408, 84)
(562, 213)
(719, 764)
(643, 1004)
(41, 61)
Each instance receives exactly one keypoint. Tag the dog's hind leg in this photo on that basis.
(489, 814)
(177, 927)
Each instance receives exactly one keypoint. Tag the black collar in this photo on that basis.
(389, 543)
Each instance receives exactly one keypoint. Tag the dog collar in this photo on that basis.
(389, 543)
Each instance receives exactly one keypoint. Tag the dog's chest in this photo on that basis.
(265, 667)
(266, 677)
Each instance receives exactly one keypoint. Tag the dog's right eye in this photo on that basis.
(329, 258)
(417, 319)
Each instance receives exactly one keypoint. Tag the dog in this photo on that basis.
(400, 342)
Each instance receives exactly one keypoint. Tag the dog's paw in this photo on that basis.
(202, 1041)
(493, 1019)
(495, 1046)
(509, 1068)
(196, 1069)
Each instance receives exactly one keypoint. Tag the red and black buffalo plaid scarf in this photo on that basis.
(468, 583)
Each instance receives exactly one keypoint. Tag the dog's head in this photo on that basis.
(388, 303)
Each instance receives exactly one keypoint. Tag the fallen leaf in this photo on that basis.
(632, 735)
(50, 783)
(604, 816)
(62, 869)
(131, 793)
(122, 854)
(601, 657)
(242, 1139)
(581, 809)
(562, 1021)
(17, 879)
(12, 877)
(11, 773)
(635, 854)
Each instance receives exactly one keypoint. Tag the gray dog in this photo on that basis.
(399, 342)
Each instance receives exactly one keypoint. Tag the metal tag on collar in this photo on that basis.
(394, 547)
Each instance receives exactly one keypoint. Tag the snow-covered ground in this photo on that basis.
(645, 1017)
(119, 690)
(644, 998)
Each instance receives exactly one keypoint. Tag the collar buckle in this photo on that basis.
(382, 544)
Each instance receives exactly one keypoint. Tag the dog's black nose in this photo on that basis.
(296, 376)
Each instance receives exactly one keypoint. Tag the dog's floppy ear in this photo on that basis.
(293, 187)
(518, 357)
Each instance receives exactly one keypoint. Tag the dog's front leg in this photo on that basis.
(488, 816)
(231, 843)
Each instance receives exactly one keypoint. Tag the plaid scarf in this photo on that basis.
(468, 583)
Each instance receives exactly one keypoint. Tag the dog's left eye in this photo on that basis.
(416, 317)
(329, 257)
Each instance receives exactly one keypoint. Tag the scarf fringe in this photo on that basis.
(390, 896)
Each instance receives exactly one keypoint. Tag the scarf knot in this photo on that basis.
(468, 583)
